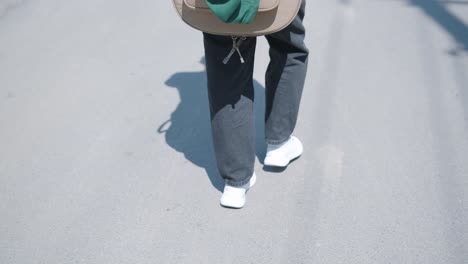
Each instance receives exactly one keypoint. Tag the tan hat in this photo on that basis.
(272, 16)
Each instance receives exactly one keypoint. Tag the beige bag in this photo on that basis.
(272, 16)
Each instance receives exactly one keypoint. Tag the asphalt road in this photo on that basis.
(106, 154)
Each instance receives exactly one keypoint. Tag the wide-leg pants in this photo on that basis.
(231, 95)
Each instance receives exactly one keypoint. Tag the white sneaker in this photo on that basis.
(234, 197)
(281, 155)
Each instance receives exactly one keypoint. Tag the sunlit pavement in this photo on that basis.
(106, 154)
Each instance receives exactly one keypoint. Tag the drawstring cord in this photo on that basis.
(236, 41)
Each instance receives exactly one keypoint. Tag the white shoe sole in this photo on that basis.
(279, 161)
(239, 202)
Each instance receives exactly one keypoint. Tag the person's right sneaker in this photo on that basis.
(280, 155)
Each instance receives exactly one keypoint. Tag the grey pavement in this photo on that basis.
(106, 154)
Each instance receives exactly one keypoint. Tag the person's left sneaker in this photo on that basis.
(234, 197)
(280, 155)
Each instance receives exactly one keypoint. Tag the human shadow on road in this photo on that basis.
(188, 130)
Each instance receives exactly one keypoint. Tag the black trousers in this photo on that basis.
(231, 95)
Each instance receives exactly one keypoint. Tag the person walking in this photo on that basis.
(229, 67)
